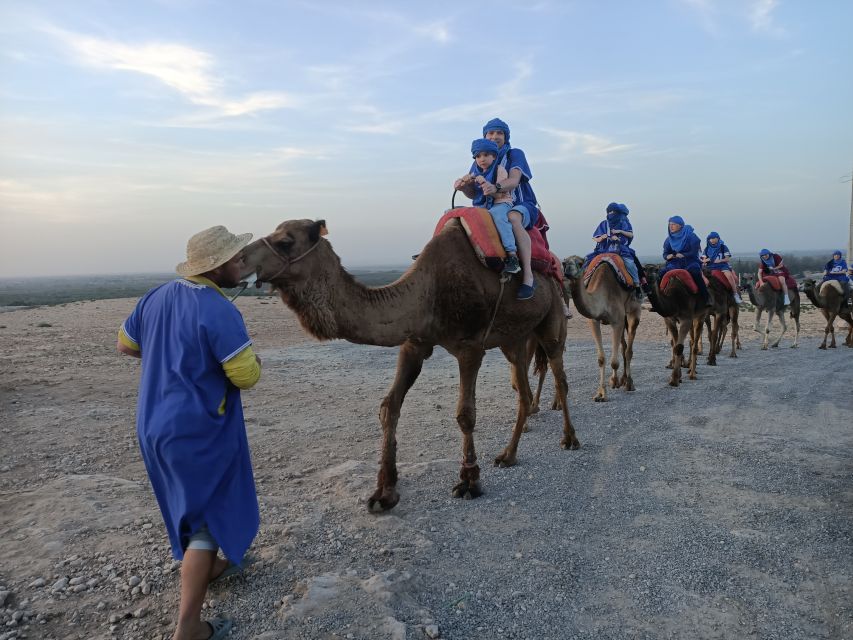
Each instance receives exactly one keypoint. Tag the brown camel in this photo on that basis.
(446, 298)
(725, 311)
(683, 312)
(766, 298)
(605, 301)
(829, 300)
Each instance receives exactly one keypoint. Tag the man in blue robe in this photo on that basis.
(196, 356)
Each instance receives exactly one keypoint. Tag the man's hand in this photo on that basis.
(488, 188)
(679, 255)
(670, 257)
(461, 182)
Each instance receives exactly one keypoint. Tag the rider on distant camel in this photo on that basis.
(614, 235)
(716, 258)
(771, 265)
(681, 251)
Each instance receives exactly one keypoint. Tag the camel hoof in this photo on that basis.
(669, 366)
(467, 490)
(503, 461)
(600, 398)
(691, 376)
(525, 428)
(570, 445)
(764, 348)
(823, 347)
(673, 383)
(629, 385)
(832, 346)
(555, 406)
(533, 409)
(796, 346)
(732, 355)
(712, 363)
(383, 500)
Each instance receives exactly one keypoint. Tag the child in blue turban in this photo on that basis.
(716, 257)
(836, 269)
(486, 170)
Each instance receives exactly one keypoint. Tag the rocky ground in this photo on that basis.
(721, 509)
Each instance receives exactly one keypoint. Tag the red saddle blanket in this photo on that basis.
(486, 242)
(678, 274)
(776, 282)
(722, 279)
(615, 261)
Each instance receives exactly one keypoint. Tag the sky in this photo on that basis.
(126, 127)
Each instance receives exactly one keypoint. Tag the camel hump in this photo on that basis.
(720, 276)
(616, 263)
(834, 284)
(682, 275)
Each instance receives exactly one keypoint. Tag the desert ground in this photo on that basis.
(719, 509)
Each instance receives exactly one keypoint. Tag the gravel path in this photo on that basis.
(721, 509)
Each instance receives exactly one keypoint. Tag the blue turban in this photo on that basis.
(613, 207)
(713, 251)
(496, 124)
(623, 208)
(480, 145)
(838, 252)
(713, 234)
(680, 238)
(769, 261)
(677, 220)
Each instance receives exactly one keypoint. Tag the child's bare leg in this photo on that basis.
(522, 242)
(196, 569)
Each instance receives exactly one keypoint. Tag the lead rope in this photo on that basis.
(504, 279)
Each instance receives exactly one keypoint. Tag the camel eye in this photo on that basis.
(283, 245)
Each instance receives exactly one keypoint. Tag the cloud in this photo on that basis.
(188, 71)
(587, 143)
(436, 31)
(761, 17)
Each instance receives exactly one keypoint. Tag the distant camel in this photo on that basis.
(446, 298)
(771, 300)
(829, 300)
(604, 301)
(683, 313)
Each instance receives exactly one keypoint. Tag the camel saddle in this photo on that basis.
(720, 276)
(678, 274)
(486, 242)
(835, 284)
(774, 281)
(615, 261)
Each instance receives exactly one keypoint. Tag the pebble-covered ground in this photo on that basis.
(720, 509)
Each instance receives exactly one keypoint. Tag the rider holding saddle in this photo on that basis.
(681, 251)
(614, 235)
(771, 265)
(716, 258)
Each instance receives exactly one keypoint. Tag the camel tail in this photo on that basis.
(540, 362)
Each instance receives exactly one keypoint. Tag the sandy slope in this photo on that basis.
(722, 509)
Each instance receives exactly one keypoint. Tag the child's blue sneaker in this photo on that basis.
(525, 291)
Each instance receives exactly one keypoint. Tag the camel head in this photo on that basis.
(809, 284)
(573, 267)
(652, 271)
(278, 257)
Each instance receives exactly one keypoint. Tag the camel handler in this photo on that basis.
(196, 356)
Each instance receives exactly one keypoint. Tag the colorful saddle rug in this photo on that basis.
(615, 261)
(486, 242)
(678, 274)
(720, 276)
(776, 282)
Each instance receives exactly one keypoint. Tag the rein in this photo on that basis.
(285, 262)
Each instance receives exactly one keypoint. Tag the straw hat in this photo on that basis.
(211, 248)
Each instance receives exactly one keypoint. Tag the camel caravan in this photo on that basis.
(488, 279)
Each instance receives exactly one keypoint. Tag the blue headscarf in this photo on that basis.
(711, 250)
(838, 253)
(479, 145)
(617, 216)
(496, 124)
(680, 238)
(769, 261)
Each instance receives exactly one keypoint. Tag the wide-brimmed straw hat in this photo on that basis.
(211, 248)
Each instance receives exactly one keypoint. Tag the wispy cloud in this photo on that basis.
(437, 31)
(761, 17)
(587, 143)
(188, 71)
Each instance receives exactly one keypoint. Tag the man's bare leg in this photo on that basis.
(196, 571)
(522, 242)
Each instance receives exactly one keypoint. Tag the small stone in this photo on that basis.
(3, 596)
(114, 618)
(77, 588)
(642, 468)
(146, 588)
(431, 631)
(60, 584)
(37, 583)
(134, 580)
(140, 613)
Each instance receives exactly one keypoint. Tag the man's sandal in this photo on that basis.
(220, 628)
(230, 569)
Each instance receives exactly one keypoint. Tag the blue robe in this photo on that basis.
(714, 254)
(194, 447)
(511, 158)
(690, 261)
(836, 270)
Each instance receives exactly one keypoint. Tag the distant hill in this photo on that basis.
(27, 292)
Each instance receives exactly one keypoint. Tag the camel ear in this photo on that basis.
(317, 229)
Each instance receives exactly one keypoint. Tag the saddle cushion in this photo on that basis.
(678, 274)
(484, 238)
(835, 284)
(722, 279)
(615, 261)
(773, 281)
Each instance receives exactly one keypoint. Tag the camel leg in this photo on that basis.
(515, 355)
(410, 360)
(531, 354)
(765, 342)
(831, 331)
(618, 330)
(672, 327)
(826, 329)
(735, 331)
(631, 324)
(796, 329)
(713, 335)
(466, 415)
(784, 329)
(757, 324)
(595, 327)
(696, 331)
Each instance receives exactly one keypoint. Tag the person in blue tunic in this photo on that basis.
(614, 234)
(196, 356)
(525, 208)
(716, 257)
(681, 251)
(836, 269)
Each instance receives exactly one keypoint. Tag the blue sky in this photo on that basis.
(128, 126)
